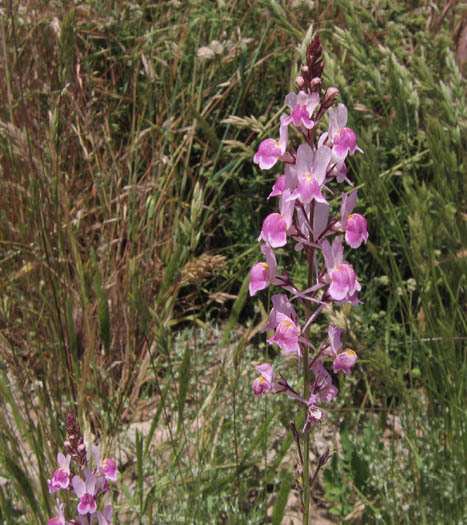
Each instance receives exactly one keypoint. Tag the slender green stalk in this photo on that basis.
(306, 394)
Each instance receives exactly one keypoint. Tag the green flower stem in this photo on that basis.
(306, 395)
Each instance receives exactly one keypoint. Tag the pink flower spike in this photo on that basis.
(356, 230)
(345, 361)
(274, 231)
(271, 150)
(263, 384)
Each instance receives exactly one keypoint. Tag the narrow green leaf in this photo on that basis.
(281, 502)
(139, 469)
(184, 379)
(155, 419)
(72, 333)
(103, 313)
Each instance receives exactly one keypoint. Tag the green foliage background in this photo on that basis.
(129, 213)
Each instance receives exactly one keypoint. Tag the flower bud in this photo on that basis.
(315, 82)
(300, 81)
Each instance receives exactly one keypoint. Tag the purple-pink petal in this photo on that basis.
(268, 154)
(263, 384)
(278, 187)
(274, 230)
(345, 142)
(259, 278)
(109, 468)
(345, 361)
(356, 230)
(286, 336)
(344, 282)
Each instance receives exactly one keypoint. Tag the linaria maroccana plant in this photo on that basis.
(304, 218)
(89, 490)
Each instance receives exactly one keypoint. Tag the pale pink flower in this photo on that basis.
(271, 150)
(322, 385)
(344, 284)
(311, 169)
(61, 477)
(345, 361)
(263, 384)
(86, 491)
(274, 230)
(356, 230)
(302, 107)
(286, 335)
(264, 273)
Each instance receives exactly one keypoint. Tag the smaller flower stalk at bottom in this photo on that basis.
(88, 485)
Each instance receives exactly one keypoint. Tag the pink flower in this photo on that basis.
(280, 306)
(264, 273)
(356, 230)
(315, 414)
(106, 466)
(322, 386)
(263, 384)
(311, 169)
(345, 142)
(302, 107)
(345, 361)
(109, 469)
(61, 477)
(274, 230)
(85, 490)
(271, 150)
(286, 335)
(344, 284)
(347, 206)
(344, 139)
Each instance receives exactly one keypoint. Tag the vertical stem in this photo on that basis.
(306, 395)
